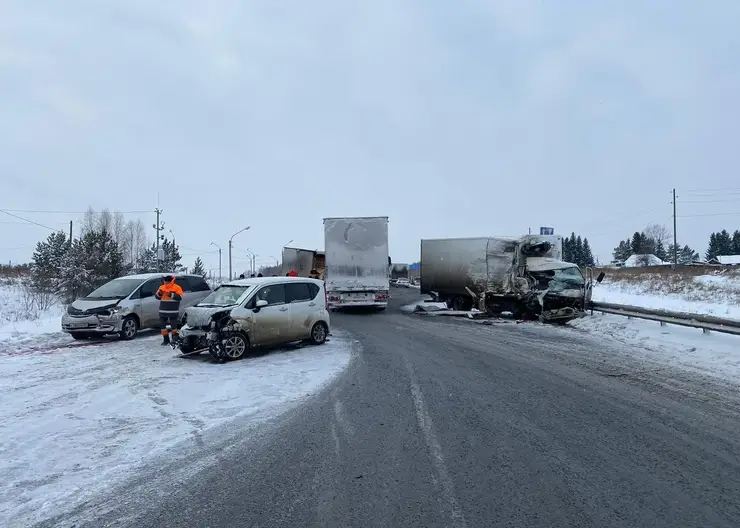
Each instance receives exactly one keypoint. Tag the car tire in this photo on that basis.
(236, 346)
(129, 328)
(319, 331)
(79, 336)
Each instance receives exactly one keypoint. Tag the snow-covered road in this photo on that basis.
(76, 421)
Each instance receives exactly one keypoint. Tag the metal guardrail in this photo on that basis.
(705, 322)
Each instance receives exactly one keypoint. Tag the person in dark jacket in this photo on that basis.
(169, 295)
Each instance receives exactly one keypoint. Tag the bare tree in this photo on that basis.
(105, 221)
(139, 240)
(658, 233)
(89, 222)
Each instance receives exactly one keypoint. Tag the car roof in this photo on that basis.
(266, 281)
(146, 276)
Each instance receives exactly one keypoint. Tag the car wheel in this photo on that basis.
(129, 327)
(235, 346)
(318, 333)
(79, 335)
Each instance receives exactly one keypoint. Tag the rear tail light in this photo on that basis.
(382, 297)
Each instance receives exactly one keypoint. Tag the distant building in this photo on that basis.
(726, 260)
(640, 261)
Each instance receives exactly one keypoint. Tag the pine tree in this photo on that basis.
(567, 250)
(623, 251)
(660, 252)
(198, 268)
(578, 250)
(47, 261)
(637, 243)
(588, 257)
(148, 263)
(713, 249)
(93, 260)
(724, 240)
(687, 255)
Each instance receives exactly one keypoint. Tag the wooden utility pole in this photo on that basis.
(675, 242)
(70, 232)
(159, 226)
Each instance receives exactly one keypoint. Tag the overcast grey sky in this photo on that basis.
(452, 118)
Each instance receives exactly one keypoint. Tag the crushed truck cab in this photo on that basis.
(524, 276)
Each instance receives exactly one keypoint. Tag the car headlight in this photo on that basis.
(113, 311)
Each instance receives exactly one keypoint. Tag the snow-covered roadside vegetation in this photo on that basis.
(686, 289)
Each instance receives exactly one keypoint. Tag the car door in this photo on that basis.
(272, 323)
(300, 297)
(149, 304)
(187, 294)
(200, 289)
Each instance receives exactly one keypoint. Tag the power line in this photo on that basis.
(709, 214)
(71, 212)
(28, 221)
(708, 201)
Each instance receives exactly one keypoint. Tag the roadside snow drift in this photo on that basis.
(76, 421)
(713, 354)
(716, 295)
(24, 315)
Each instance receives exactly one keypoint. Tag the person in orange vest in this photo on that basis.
(169, 295)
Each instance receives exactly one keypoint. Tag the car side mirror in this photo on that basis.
(600, 277)
(260, 304)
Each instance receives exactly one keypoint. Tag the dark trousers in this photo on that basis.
(168, 320)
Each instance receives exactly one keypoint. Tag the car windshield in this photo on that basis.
(224, 296)
(115, 289)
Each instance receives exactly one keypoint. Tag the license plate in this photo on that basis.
(77, 325)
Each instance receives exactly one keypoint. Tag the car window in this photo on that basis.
(149, 288)
(198, 284)
(297, 292)
(183, 283)
(273, 294)
(313, 289)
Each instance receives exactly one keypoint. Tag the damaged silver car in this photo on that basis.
(256, 312)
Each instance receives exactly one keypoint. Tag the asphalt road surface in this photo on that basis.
(441, 422)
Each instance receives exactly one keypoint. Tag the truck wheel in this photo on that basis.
(458, 303)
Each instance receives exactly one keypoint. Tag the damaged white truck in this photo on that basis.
(524, 276)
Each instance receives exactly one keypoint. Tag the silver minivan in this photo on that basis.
(127, 304)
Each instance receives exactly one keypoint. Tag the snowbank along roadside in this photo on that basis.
(77, 421)
(23, 316)
(717, 295)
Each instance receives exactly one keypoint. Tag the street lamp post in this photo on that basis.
(219, 260)
(252, 260)
(230, 245)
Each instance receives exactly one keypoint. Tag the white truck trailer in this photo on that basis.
(357, 262)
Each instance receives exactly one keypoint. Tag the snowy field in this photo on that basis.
(23, 315)
(717, 295)
(78, 420)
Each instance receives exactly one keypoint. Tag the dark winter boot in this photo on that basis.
(165, 339)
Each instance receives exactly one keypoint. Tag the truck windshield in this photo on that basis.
(569, 277)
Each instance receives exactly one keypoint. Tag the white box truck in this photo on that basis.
(357, 262)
